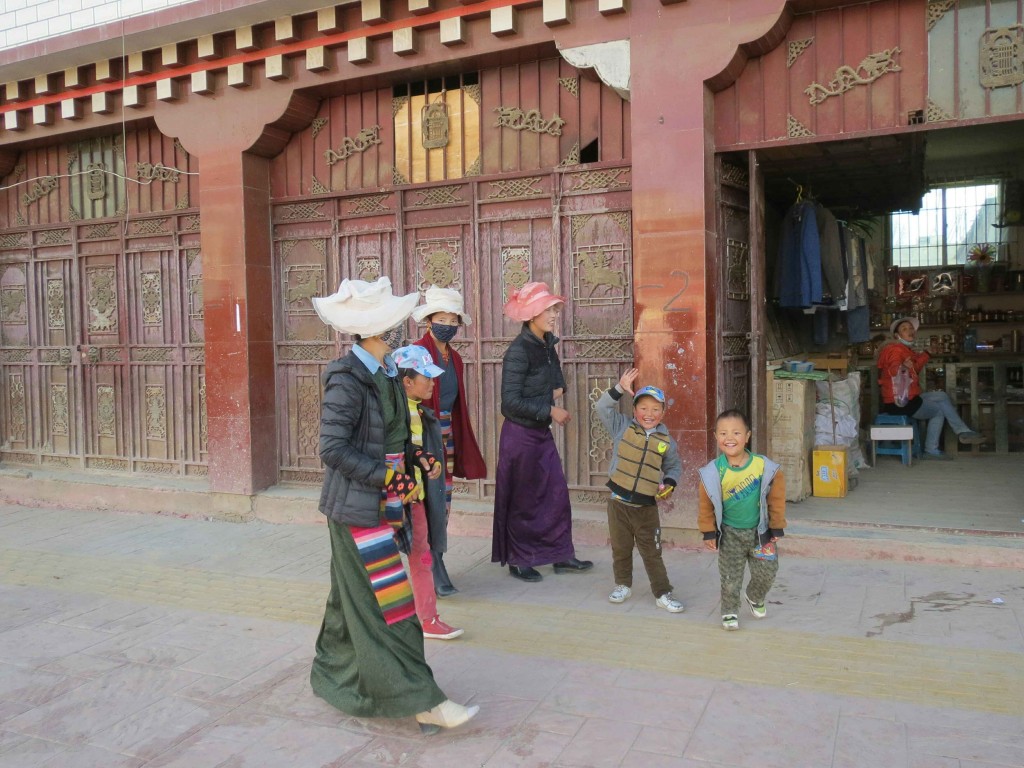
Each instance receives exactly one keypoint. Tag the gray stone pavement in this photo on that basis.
(142, 640)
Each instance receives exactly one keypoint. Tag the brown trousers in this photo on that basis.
(640, 525)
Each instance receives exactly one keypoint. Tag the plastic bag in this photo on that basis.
(901, 387)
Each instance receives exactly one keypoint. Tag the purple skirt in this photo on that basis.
(532, 513)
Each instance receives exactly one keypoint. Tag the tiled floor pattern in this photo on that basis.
(145, 641)
(989, 681)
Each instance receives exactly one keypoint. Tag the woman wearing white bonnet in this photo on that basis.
(369, 654)
(444, 311)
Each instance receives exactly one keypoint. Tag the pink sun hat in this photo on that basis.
(529, 301)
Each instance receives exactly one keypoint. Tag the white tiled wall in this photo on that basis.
(25, 21)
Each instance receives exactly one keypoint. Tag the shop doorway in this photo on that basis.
(864, 182)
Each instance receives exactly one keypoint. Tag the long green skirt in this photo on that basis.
(363, 666)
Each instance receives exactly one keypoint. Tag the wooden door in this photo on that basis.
(733, 306)
(101, 347)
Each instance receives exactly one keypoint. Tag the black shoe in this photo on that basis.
(573, 566)
(443, 586)
(525, 574)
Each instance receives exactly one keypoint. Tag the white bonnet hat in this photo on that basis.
(364, 309)
(441, 300)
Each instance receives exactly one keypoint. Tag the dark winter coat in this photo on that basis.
(434, 496)
(469, 462)
(352, 444)
(530, 373)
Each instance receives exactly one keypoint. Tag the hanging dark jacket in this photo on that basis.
(352, 444)
(799, 267)
(530, 373)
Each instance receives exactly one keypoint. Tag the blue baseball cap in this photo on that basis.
(649, 391)
(416, 359)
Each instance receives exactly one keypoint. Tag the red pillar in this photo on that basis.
(675, 259)
(233, 137)
(238, 300)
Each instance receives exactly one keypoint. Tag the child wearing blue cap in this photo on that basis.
(427, 507)
(645, 468)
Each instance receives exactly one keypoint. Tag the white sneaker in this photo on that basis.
(730, 622)
(759, 610)
(620, 594)
(669, 603)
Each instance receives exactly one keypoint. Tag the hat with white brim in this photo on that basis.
(441, 300)
(364, 309)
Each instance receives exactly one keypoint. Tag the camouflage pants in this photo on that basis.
(734, 552)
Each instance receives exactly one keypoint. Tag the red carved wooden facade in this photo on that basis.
(530, 211)
(101, 319)
(860, 68)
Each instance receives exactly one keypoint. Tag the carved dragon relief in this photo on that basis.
(871, 67)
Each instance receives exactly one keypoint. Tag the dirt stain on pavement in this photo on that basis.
(943, 602)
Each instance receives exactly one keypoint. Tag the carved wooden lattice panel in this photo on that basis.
(486, 243)
(733, 312)
(14, 304)
(108, 382)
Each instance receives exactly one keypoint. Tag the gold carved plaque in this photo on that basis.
(434, 122)
(1002, 56)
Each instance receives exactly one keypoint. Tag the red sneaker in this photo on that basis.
(435, 629)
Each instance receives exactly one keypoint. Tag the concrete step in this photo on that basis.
(191, 497)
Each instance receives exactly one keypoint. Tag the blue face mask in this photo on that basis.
(908, 343)
(443, 333)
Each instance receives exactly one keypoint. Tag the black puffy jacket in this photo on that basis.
(352, 444)
(530, 373)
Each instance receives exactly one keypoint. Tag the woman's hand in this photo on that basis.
(710, 545)
(560, 415)
(626, 382)
(908, 363)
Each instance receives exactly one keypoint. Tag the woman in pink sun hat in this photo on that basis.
(532, 512)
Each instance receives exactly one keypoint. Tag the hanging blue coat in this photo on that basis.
(799, 264)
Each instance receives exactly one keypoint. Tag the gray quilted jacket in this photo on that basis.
(352, 444)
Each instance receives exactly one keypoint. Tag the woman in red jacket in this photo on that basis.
(933, 407)
(444, 310)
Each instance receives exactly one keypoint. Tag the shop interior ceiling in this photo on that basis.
(875, 175)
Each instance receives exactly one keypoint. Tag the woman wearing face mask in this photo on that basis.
(369, 655)
(444, 312)
(933, 407)
(532, 513)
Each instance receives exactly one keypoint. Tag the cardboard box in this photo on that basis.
(791, 416)
(796, 468)
(829, 471)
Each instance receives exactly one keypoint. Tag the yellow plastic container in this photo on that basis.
(829, 471)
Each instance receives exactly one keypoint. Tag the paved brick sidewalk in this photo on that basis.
(145, 640)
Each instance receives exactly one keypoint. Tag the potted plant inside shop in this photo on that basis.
(979, 265)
